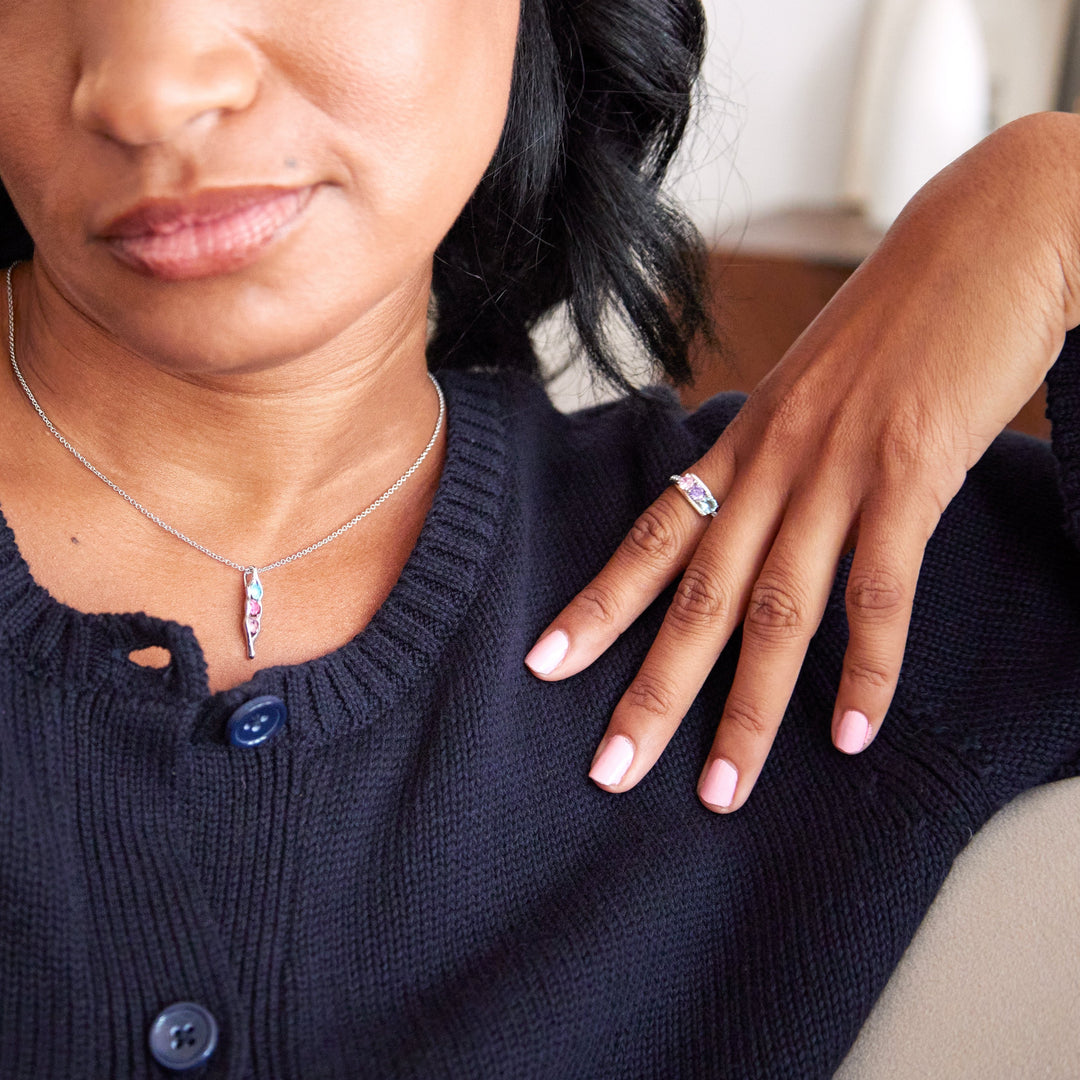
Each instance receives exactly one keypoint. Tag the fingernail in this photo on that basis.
(718, 786)
(610, 767)
(547, 654)
(853, 732)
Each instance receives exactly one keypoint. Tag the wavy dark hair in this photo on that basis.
(571, 209)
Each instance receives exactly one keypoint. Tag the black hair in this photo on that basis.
(15, 242)
(570, 209)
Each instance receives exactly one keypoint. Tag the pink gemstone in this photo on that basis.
(253, 626)
(254, 607)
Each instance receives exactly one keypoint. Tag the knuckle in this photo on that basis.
(699, 599)
(597, 604)
(775, 609)
(874, 595)
(653, 535)
(927, 497)
(915, 503)
(649, 695)
(868, 673)
(909, 443)
(788, 417)
(740, 715)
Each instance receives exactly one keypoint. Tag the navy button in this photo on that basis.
(183, 1036)
(257, 721)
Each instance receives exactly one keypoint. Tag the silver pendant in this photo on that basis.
(253, 594)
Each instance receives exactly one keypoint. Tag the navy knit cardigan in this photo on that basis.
(414, 877)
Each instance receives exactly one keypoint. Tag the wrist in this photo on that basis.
(1012, 203)
(1044, 150)
(1008, 210)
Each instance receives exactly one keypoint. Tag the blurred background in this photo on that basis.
(817, 123)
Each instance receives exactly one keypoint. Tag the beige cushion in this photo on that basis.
(990, 986)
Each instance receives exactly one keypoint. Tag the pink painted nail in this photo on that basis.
(547, 654)
(718, 787)
(853, 732)
(610, 767)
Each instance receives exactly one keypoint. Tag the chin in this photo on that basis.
(330, 287)
(234, 343)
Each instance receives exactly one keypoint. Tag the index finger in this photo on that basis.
(651, 555)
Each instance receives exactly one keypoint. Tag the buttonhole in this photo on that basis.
(153, 657)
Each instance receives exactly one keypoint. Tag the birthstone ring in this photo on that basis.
(697, 493)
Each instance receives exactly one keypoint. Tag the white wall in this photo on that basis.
(779, 76)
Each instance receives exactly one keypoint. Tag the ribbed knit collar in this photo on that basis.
(350, 685)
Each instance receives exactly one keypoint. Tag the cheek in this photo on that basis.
(418, 90)
(35, 145)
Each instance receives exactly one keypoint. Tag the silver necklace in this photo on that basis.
(253, 587)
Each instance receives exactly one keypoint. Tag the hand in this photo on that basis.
(861, 435)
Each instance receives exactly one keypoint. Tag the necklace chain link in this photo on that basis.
(176, 532)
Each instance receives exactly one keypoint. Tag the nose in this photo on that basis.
(151, 69)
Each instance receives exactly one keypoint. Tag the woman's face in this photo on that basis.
(358, 128)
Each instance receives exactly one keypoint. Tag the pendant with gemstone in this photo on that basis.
(253, 594)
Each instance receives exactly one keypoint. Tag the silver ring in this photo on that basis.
(697, 493)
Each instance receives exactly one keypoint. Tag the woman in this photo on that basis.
(306, 813)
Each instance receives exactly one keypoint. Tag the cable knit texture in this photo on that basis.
(416, 878)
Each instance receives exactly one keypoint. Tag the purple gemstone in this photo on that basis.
(698, 492)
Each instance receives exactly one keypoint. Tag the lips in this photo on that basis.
(213, 232)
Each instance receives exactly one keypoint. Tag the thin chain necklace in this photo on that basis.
(253, 588)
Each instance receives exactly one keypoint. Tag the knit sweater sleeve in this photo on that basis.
(1063, 409)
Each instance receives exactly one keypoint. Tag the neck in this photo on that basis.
(253, 460)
